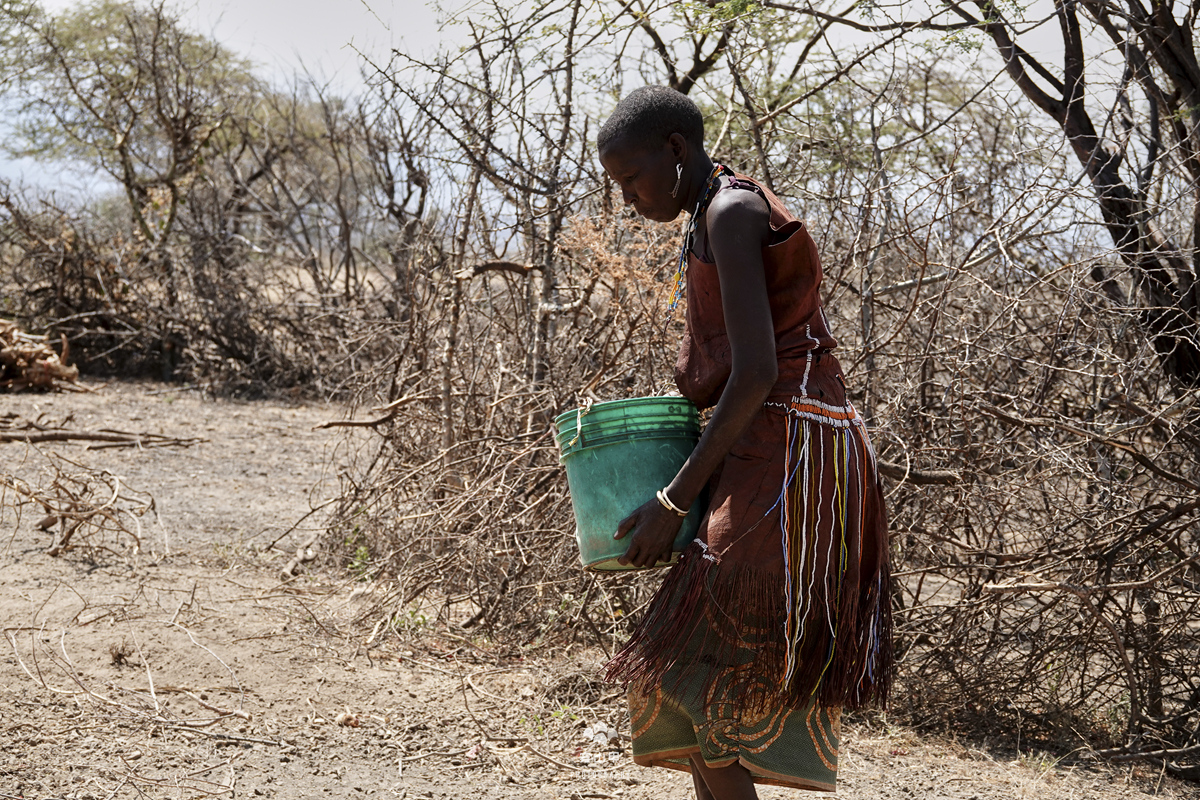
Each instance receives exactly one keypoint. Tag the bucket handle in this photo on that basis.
(579, 412)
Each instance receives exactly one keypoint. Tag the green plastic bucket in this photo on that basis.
(617, 456)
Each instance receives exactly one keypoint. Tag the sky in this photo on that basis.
(282, 36)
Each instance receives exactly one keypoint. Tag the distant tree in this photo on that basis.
(16, 21)
(126, 90)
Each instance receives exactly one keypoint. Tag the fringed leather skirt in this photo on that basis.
(777, 616)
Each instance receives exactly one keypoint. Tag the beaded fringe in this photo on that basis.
(838, 631)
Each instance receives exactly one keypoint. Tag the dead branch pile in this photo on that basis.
(28, 361)
(85, 508)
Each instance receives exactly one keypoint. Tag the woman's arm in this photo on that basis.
(738, 229)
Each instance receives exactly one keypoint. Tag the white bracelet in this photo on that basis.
(667, 504)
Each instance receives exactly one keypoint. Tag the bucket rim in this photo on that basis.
(629, 402)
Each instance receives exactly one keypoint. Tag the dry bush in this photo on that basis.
(234, 320)
(1041, 456)
(1055, 585)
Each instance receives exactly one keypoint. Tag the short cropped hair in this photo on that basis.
(651, 114)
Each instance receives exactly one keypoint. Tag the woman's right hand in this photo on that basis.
(652, 530)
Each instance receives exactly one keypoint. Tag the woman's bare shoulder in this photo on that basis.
(738, 214)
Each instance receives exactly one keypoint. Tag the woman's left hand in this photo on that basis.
(654, 529)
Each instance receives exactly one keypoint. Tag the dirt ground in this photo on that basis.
(188, 669)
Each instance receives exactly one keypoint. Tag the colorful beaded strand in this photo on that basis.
(689, 235)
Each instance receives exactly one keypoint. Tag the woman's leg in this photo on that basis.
(722, 783)
(702, 792)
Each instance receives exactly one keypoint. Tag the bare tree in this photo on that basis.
(1139, 153)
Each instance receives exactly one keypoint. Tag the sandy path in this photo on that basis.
(258, 471)
(190, 671)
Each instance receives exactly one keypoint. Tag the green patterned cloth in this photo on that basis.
(780, 746)
(719, 706)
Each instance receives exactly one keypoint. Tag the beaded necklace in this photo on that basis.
(690, 233)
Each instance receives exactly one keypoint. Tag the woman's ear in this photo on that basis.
(679, 147)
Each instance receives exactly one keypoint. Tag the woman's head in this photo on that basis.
(653, 147)
(649, 115)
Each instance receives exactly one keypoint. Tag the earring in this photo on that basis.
(678, 179)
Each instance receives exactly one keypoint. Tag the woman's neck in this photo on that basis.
(697, 177)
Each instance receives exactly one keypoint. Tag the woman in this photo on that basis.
(777, 616)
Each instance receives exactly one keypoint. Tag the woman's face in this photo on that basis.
(646, 176)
